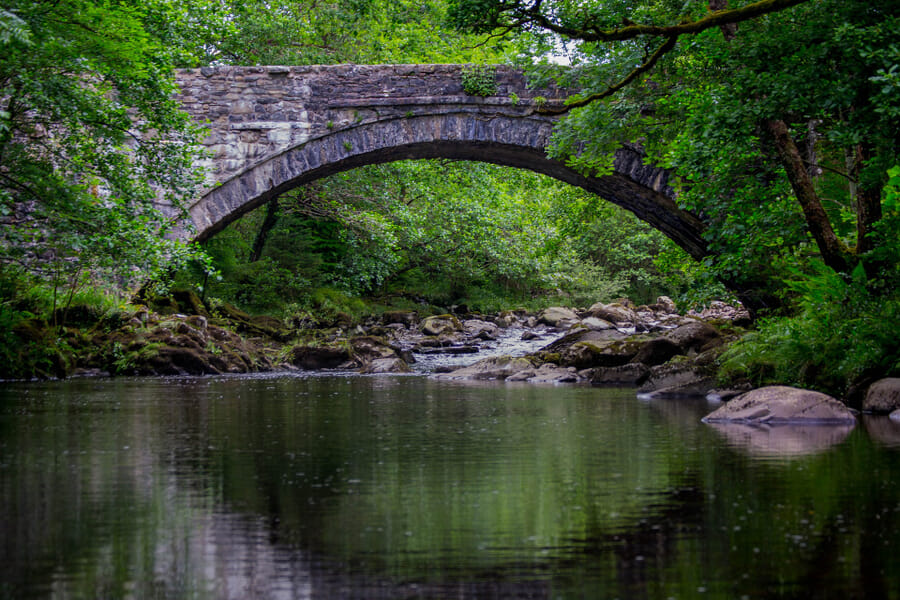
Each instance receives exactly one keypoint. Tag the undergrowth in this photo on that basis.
(845, 331)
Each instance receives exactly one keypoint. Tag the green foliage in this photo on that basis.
(826, 69)
(845, 328)
(350, 31)
(12, 28)
(479, 80)
(843, 332)
(90, 138)
(441, 233)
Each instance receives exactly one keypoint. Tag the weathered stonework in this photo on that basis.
(274, 128)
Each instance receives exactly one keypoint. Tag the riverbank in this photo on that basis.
(655, 349)
(605, 344)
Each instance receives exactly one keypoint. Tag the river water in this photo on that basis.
(286, 486)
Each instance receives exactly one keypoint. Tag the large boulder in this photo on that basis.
(318, 357)
(550, 373)
(656, 352)
(483, 330)
(557, 316)
(677, 380)
(583, 335)
(597, 324)
(614, 313)
(694, 337)
(440, 324)
(630, 374)
(883, 396)
(497, 367)
(367, 348)
(583, 355)
(781, 404)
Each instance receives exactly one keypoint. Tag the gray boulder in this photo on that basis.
(523, 375)
(440, 324)
(496, 367)
(386, 365)
(883, 396)
(477, 328)
(630, 374)
(583, 335)
(557, 316)
(318, 357)
(367, 348)
(550, 373)
(694, 337)
(586, 354)
(656, 352)
(615, 313)
(781, 404)
(596, 324)
(677, 380)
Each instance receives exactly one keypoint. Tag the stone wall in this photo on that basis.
(257, 112)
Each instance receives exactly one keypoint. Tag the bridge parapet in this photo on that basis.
(256, 112)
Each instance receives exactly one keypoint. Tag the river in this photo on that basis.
(287, 486)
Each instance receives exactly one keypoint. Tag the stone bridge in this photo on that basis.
(274, 128)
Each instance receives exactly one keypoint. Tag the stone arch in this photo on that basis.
(514, 141)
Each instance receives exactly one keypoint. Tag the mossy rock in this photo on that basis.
(318, 357)
(369, 347)
(189, 302)
(439, 324)
(587, 354)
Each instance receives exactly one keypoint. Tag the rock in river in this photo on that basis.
(496, 367)
(883, 396)
(781, 404)
(386, 365)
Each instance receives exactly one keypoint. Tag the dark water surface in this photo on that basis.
(403, 487)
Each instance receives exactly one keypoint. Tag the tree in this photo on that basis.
(91, 138)
(274, 32)
(779, 118)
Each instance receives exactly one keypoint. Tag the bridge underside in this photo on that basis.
(508, 141)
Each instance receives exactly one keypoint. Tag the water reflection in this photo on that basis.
(882, 429)
(384, 487)
(782, 441)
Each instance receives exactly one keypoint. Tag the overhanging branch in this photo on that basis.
(635, 30)
(666, 47)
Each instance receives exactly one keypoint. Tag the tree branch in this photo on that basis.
(667, 46)
(714, 19)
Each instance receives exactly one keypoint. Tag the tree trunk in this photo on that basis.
(835, 254)
(868, 202)
(263, 234)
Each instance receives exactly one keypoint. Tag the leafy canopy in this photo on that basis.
(91, 137)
